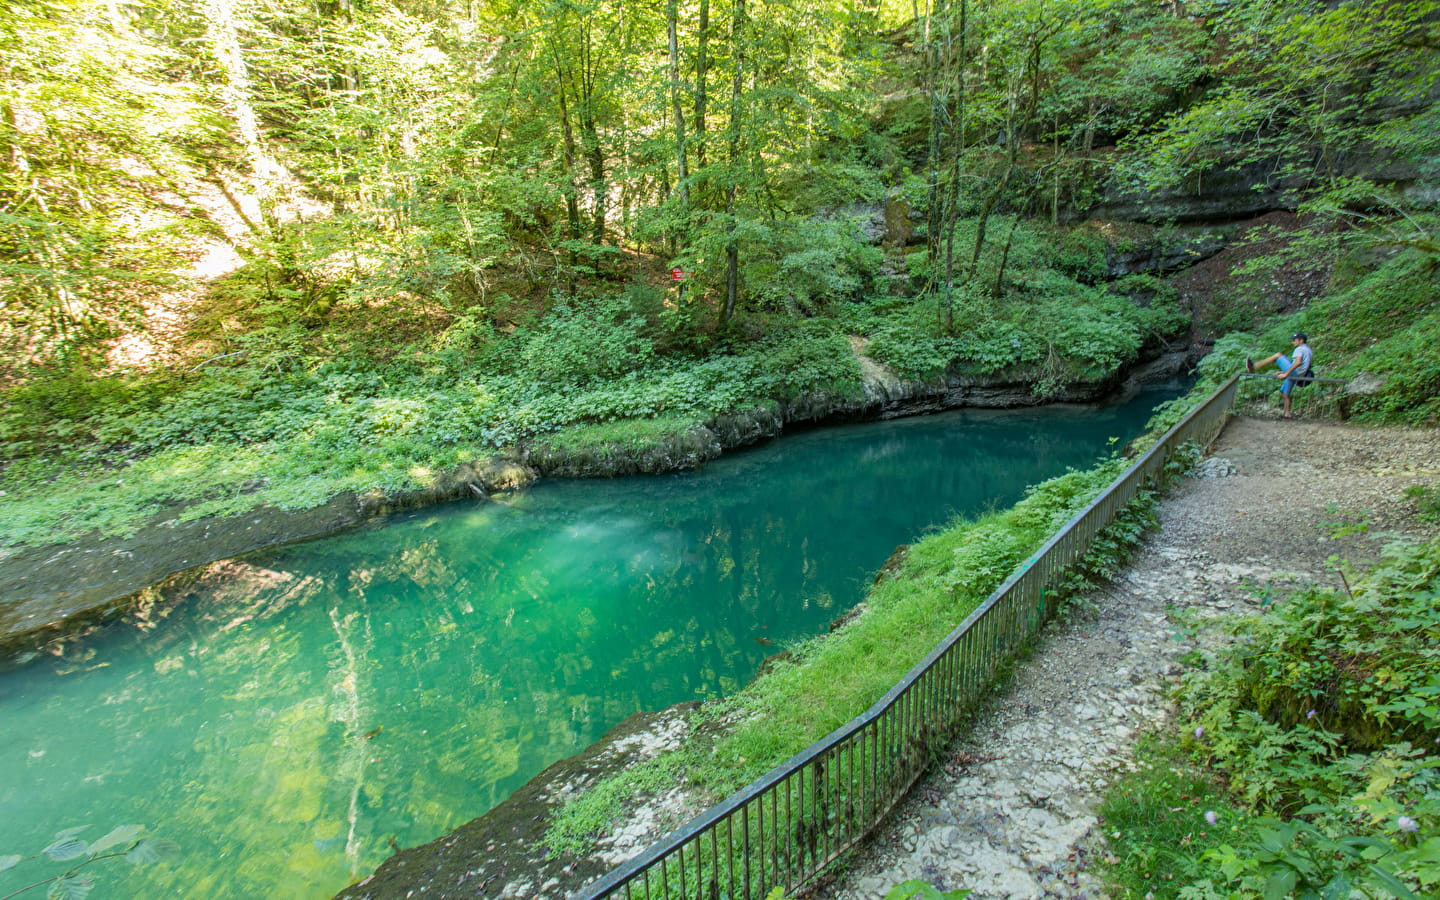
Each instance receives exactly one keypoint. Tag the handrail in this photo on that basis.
(786, 826)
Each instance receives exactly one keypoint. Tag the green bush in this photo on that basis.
(574, 346)
(809, 265)
(1348, 663)
(1096, 343)
(1080, 254)
(913, 353)
(789, 364)
(1322, 722)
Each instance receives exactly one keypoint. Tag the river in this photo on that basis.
(301, 709)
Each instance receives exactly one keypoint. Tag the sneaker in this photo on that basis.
(1250, 365)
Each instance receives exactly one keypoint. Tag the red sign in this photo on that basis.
(679, 274)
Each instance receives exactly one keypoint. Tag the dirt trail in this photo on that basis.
(1011, 814)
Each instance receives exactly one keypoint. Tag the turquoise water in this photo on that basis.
(289, 718)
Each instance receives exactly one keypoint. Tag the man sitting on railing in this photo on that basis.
(1292, 368)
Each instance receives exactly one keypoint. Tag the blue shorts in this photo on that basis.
(1284, 363)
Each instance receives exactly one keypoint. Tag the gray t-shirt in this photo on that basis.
(1303, 355)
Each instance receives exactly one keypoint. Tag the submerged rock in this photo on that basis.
(501, 854)
(50, 593)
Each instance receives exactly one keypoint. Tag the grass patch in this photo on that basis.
(1155, 820)
(625, 435)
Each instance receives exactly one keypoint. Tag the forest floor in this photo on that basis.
(1011, 812)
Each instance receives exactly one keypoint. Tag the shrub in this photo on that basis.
(578, 345)
(801, 362)
(1322, 720)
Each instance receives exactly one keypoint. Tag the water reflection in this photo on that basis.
(300, 710)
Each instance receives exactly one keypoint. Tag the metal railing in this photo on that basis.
(785, 827)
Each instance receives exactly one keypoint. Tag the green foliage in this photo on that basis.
(245, 431)
(914, 889)
(788, 365)
(1155, 820)
(575, 347)
(913, 352)
(1158, 312)
(1305, 78)
(1321, 720)
(808, 265)
(1079, 253)
(1337, 661)
(85, 238)
(1048, 325)
(1427, 501)
(1094, 344)
(573, 831)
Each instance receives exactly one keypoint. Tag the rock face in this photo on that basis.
(1234, 192)
(1222, 196)
(1172, 253)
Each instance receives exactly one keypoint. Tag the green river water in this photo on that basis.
(310, 704)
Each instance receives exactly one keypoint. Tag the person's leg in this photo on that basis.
(1252, 366)
(1285, 394)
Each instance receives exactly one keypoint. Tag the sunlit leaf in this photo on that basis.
(1280, 884)
(152, 850)
(66, 848)
(124, 834)
(1395, 886)
(9, 861)
(69, 888)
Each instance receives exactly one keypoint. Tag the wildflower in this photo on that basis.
(1405, 823)
(1210, 817)
(1310, 714)
(1199, 731)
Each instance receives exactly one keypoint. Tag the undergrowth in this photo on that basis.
(1383, 329)
(1310, 761)
(290, 405)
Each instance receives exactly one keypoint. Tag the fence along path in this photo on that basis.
(785, 827)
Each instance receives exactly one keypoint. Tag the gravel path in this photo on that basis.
(1011, 814)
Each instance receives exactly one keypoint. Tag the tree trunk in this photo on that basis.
(952, 194)
(682, 170)
(590, 137)
(737, 94)
(934, 195)
(572, 201)
(702, 65)
(225, 44)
